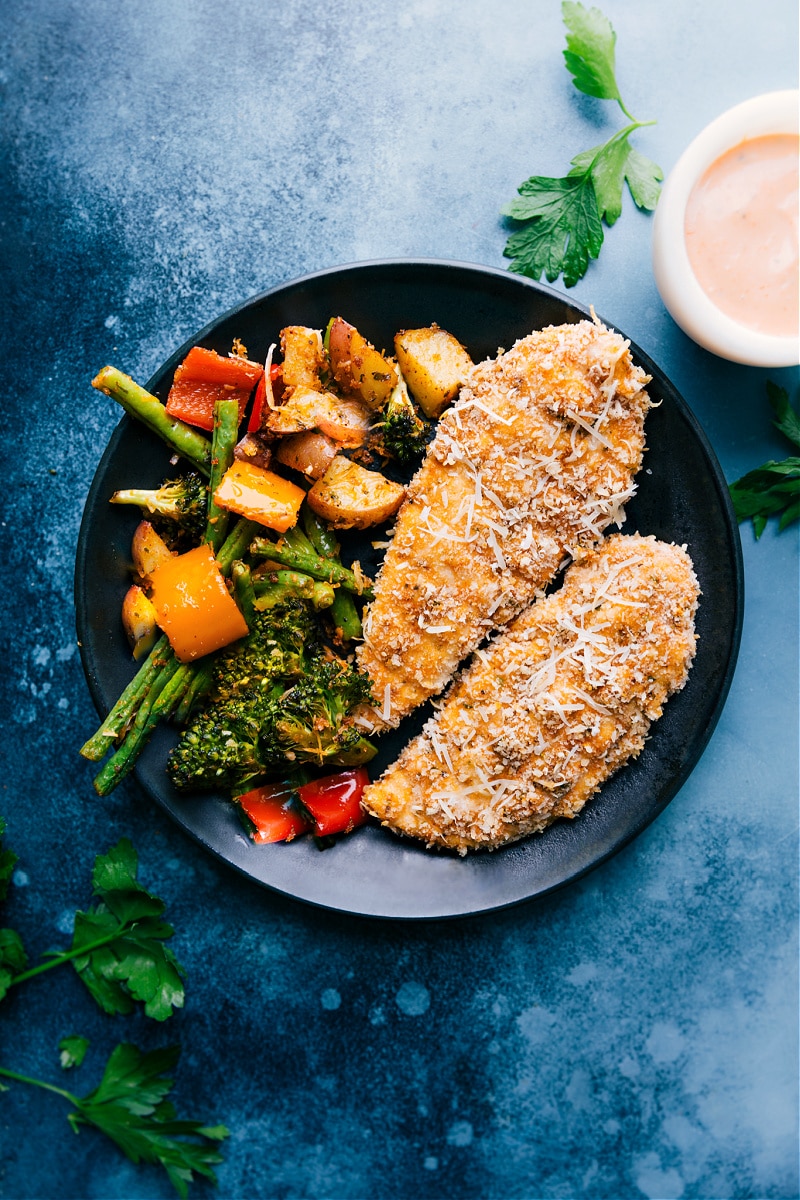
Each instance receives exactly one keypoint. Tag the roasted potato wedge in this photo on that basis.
(309, 453)
(148, 551)
(303, 357)
(357, 366)
(139, 621)
(434, 365)
(346, 420)
(350, 497)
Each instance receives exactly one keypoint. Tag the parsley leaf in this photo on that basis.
(773, 489)
(643, 178)
(118, 946)
(73, 1050)
(788, 421)
(611, 166)
(561, 218)
(118, 950)
(590, 51)
(564, 228)
(7, 861)
(13, 959)
(129, 1105)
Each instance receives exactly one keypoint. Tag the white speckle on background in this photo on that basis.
(665, 1042)
(501, 1008)
(20, 878)
(579, 1090)
(536, 1024)
(582, 974)
(65, 922)
(687, 1136)
(331, 999)
(656, 1183)
(590, 1174)
(413, 999)
(459, 1134)
(629, 1067)
(431, 1163)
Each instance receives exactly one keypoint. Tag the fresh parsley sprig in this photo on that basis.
(772, 489)
(562, 218)
(117, 947)
(8, 860)
(787, 421)
(73, 1050)
(129, 1105)
(119, 953)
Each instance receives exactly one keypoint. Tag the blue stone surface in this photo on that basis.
(634, 1035)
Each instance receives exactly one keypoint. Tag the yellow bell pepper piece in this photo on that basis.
(193, 605)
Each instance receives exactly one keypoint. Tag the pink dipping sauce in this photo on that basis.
(741, 230)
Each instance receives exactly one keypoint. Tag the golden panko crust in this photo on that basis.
(553, 706)
(533, 462)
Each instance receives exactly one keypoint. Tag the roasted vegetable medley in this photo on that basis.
(241, 613)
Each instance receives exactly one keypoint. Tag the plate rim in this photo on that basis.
(686, 413)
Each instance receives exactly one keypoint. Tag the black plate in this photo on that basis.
(682, 497)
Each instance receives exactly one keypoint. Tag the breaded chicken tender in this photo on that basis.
(533, 462)
(553, 707)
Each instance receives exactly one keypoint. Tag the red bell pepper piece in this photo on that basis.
(260, 398)
(205, 377)
(335, 801)
(273, 813)
(201, 363)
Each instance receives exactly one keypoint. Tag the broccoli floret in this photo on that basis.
(178, 507)
(403, 432)
(310, 723)
(275, 648)
(222, 747)
(277, 696)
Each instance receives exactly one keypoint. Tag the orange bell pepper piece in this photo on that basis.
(193, 605)
(205, 377)
(260, 495)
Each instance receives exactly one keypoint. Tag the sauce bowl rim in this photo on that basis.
(689, 305)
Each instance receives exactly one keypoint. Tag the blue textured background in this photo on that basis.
(633, 1036)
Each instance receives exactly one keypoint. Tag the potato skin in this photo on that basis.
(350, 497)
(139, 621)
(434, 364)
(344, 419)
(148, 551)
(310, 453)
(357, 366)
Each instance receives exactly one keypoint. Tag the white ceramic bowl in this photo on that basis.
(697, 315)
